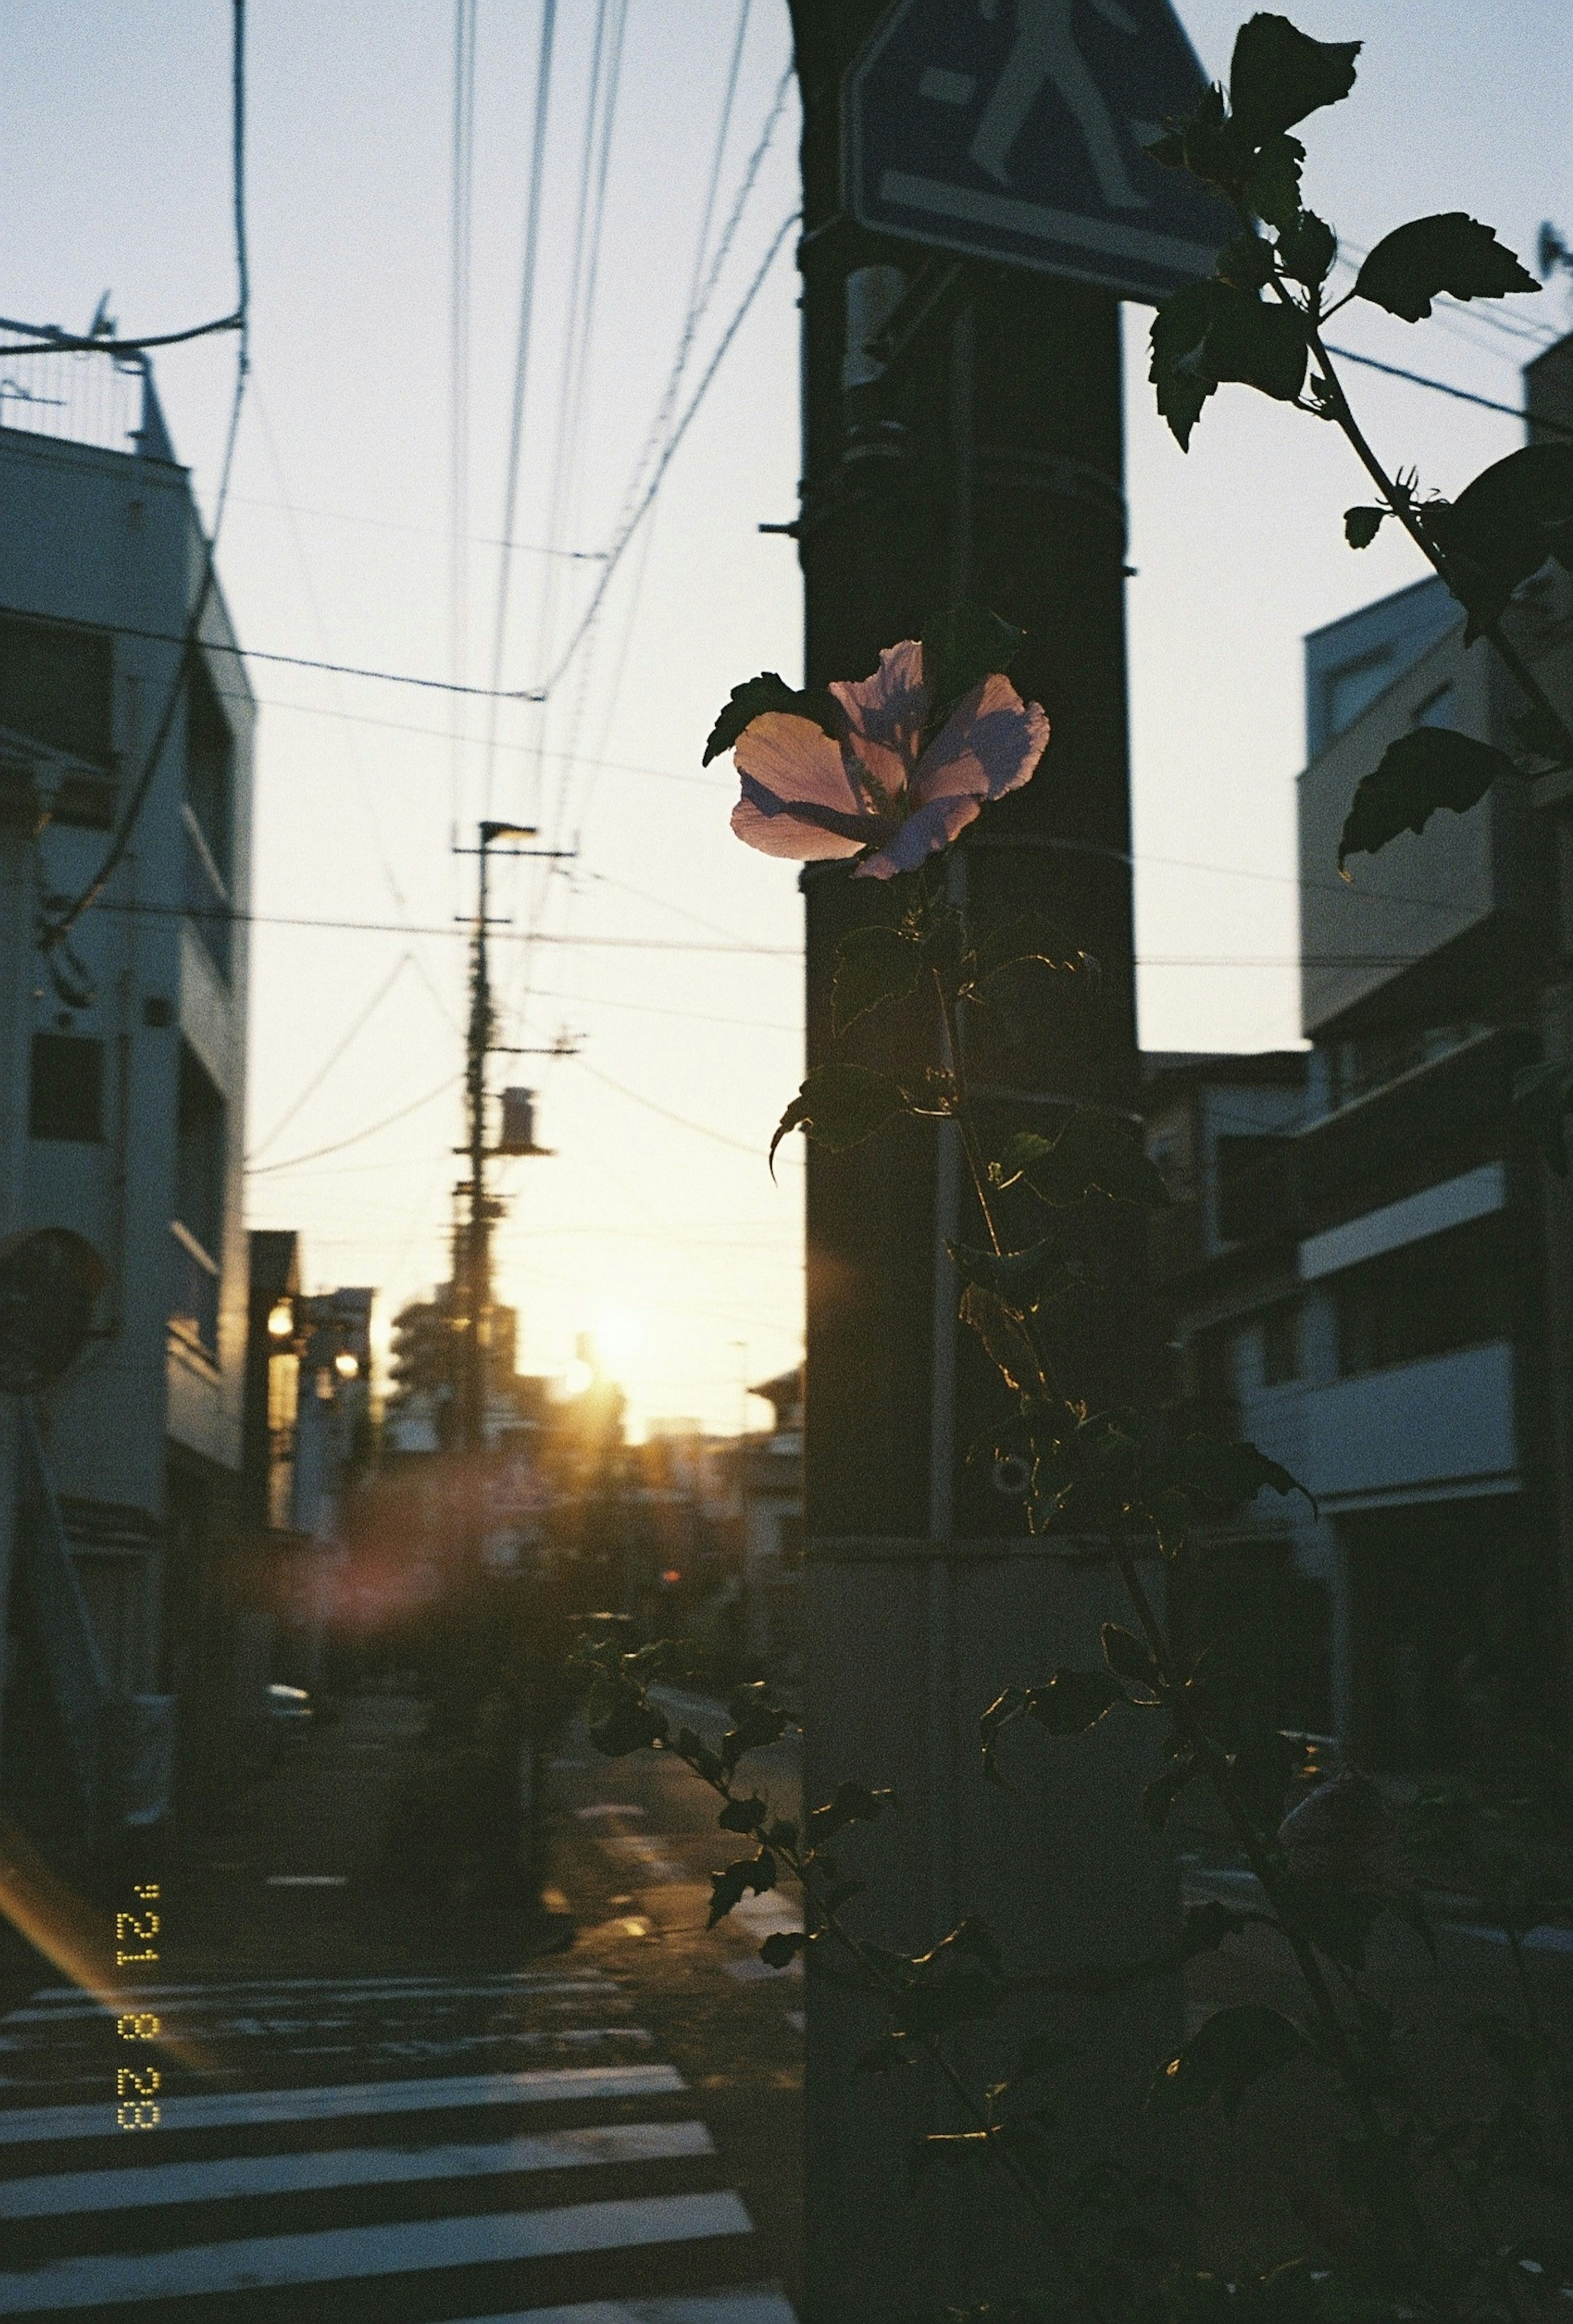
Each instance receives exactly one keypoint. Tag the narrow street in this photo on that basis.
(372, 2104)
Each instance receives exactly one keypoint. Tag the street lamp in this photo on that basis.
(280, 1320)
(345, 1365)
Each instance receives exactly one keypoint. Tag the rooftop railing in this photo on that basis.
(92, 396)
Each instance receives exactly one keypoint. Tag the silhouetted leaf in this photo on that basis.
(1208, 1468)
(1004, 1338)
(1278, 74)
(1093, 1154)
(1258, 343)
(873, 966)
(1041, 2053)
(742, 1815)
(1233, 2049)
(1021, 1278)
(1159, 1796)
(1247, 261)
(1071, 1702)
(1307, 249)
(1272, 188)
(1181, 380)
(1028, 938)
(960, 647)
(1503, 526)
(750, 1875)
(769, 691)
(1006, 1706)
(881, 2057)
(1541, 1095)
(1452, 253)
(1362, 525)
(782, 1947)
(1429, 767)
(619, 1721)
(1542, 732)
(840, 1105)
(1128, 1656)
(851, 1803)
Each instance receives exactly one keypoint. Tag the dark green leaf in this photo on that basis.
(1258, 343)
(1206, 1469)
(955, 2147)
(841, 1105)
(1362, 525)
(1159, 1796)
(1042, 2054)
(782, 1834)
(1272, 188)
(1182, 381)
(742, 1815)
(770, 691)
(624, 1722)
(1514, 2048)
(1429, 767)
(1006, 1706)
(873, 966)
(1247, 261)
(1004, 1338)
(1071, 1702)
(1278, 74)
(698, 1754)
(960, 647)
(1453, 252)
(1028, 938)
(750, 1875)
(1093, 1154)
(1541, 1095)
(851, 1803)
(1233, 2049)
(1169, 150)
(1307, 249)
(881, 2057)
(1127, 1657)
(782, 1947)
(1021, 1278)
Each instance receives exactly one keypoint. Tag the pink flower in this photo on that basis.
(807, 796)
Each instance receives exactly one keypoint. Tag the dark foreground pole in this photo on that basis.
(962, 439)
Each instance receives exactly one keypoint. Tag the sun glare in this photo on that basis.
(620, 1334)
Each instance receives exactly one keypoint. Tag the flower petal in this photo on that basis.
(796, 760)
(990, 743)
(783, 833)
(924, 832)
(884, 715)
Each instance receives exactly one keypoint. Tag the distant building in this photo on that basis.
(1364, 1265)
(122, 1050)
(769, 1476)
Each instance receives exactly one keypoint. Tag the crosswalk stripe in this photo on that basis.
(534, 2085)
(132, 2189)
(399, 2248)
(758, 2304)
(68, 1998)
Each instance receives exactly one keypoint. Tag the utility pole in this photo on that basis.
(963, 434)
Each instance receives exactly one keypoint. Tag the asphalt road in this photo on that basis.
(344, 2099)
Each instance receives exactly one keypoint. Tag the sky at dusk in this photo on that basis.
(666, 954)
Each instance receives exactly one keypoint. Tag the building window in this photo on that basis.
(55, 687)
(1252, 1186)
(1281, 1344)
(66, 1094)
(199, 1156)
(1351, 689)
(1451, 1291)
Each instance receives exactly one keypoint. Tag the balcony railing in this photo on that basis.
(193, 1291)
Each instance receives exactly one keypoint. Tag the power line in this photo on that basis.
(256, 653)
(520, 366)
(1445, 387)
(541, 692)
(500, 934)
(357, 1136)
(321, 1074)
(700, 1128)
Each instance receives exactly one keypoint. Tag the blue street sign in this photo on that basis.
(1014, 129)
